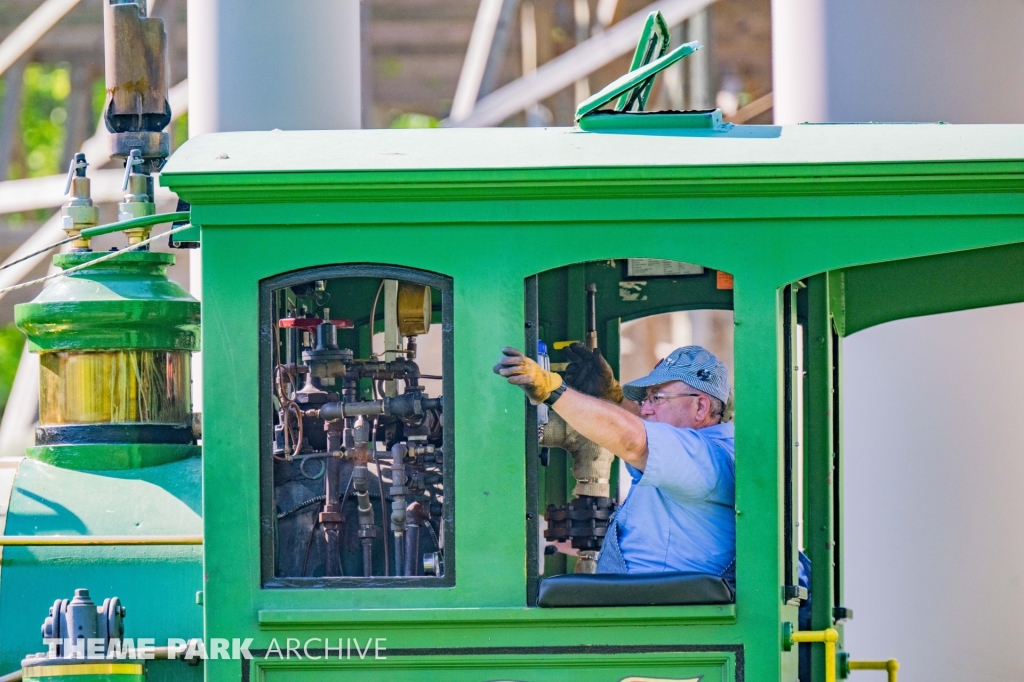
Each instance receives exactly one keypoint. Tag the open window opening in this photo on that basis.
(635, 313)
(357, 450)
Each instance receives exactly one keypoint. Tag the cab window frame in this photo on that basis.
(268, 528)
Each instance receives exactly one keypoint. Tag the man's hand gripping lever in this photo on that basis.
(521, 371)
(588, 372)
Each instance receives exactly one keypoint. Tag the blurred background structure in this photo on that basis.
(423, 63)
(935, 573)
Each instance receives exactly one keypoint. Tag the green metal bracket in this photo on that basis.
(843, 664)
(787, 636)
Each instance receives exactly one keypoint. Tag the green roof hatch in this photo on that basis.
(631, 91)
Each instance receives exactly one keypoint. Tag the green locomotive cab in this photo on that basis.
(802, 235)
(376, 504)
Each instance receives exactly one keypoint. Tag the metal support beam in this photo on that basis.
(699, 81)
(581, 15)
(22, 409)
(30, 194)
(499, 45)
(49, 233)
(580, 61)
(477, 54)
(755, 108)
(31, 30)
(605, 12)
(79, 119)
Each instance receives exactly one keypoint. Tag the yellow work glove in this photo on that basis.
(521, 371)
(588, 372)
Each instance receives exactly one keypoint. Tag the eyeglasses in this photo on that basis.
(660, 398)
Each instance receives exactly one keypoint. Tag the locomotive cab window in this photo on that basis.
(630, 481)
(357, 428)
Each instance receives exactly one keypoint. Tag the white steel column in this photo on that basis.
(898, 60)
(934, 555)
(263, 64)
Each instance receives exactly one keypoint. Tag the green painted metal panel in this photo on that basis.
(491, 208)
(883, 292)
(111, 456)
(157, 584)
(685, 667)
(126, 302)
(819, 459)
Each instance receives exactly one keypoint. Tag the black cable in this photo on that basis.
(314, 500)
(348, 486)
(40, 252)
(433, 534)
(303, 505)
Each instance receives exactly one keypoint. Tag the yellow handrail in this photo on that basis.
(94, 540)
(827, 637)
(891, 666)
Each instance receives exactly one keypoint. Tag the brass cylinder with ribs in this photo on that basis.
(111, 387)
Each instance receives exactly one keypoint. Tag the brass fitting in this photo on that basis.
(137, 204)
(79, 213)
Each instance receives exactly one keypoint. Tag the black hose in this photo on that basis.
(433, 533)
(314, 500)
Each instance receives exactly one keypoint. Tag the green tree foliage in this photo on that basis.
(43, 114)
(11, 344)
(413, 120)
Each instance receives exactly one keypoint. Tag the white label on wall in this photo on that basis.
(657, 267)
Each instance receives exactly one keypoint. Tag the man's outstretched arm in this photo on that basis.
(607, 424)
(610, 426)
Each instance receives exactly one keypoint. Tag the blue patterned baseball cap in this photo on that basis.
(693, 365)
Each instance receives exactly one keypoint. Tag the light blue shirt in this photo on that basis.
(680, 514)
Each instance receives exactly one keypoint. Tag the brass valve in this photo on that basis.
(79, 213)
(138, 201)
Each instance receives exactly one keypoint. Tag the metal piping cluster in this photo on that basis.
(408, 424)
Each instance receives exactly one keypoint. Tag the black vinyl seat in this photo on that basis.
(638, 589)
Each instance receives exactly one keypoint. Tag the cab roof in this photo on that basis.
(534, 148)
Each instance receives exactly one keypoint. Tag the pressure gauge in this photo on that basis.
(414, 309)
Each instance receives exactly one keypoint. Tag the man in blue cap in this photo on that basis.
(668, 427)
